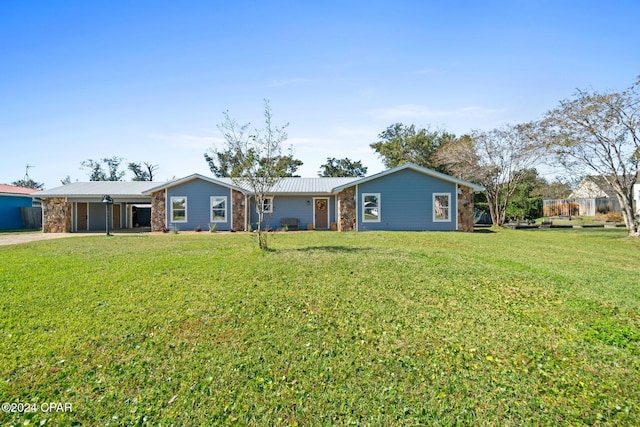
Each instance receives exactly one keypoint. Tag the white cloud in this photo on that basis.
(361, 131)
(414, 111)
(185, 140)
(429, 71)
(288, 82)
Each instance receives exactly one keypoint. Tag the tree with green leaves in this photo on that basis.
(142, 171)
(258, 155)
(27, 182)
(97, 171)
(225, 163)
(526, 201)
(342, 168)
(598, 133)
(287, 166)
(401, 144)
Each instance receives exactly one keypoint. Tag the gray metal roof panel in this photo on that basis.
(300, 185)
(98, 189)
(136, 188)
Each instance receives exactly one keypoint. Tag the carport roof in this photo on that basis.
(98, 189)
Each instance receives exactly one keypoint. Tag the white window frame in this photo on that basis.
(172, 216)
(226, 205)
(379, 207)
(448, 208)
(270, 200)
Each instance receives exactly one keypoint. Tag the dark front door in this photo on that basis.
(82, 217)
(115, 216)
(321, 214)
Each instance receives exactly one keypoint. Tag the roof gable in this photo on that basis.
(414, 167)
(225, 182)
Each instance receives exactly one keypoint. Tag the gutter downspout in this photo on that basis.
(357, 210)
(246, 211)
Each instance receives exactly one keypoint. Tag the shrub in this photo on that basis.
(609, 217)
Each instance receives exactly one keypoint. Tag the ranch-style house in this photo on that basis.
(407, 197)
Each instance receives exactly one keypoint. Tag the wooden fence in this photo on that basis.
(31, 217)
(580, 207)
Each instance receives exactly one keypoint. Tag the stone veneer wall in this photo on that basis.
(56, 214)
(347, 209)
(158, 211)
(465, 209)
(237, 216)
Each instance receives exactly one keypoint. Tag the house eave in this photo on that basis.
(189, 178)
(426, 171)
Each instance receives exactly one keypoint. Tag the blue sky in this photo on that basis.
(149, 80)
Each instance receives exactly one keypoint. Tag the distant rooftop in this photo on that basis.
(12, 189)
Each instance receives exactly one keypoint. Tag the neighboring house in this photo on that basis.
(595, 195)
(407, 197)
(636, 197)
(12, 199)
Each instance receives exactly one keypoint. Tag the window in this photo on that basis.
(179, 209)
(219, 209)
(371, 207)
(441, 207)
(267, 205)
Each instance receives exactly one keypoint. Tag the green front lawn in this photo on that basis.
(375, 328)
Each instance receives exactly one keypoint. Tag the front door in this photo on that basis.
(116, 216)
(82, 217)
(321, 213)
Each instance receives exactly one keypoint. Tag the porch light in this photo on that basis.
(107, 200)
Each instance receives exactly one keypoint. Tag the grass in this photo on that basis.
(586, 221)
(536, 327)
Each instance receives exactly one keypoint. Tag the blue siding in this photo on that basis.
(198, 194)
(406, 202)
(10, 217)
(300, 207)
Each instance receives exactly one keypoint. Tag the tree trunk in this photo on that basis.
(494, 215)
(626, 206)
(629, 219)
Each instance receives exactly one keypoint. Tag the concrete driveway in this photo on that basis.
(17, 238)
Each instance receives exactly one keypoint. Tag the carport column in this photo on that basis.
(347, 209)
(56, 215)
(158, 211)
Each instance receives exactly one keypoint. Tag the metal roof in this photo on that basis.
(300, 185)
(282, 186)
(98, 189)
(12, 189)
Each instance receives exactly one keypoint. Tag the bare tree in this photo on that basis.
(257, 155)
(599, 133)
(499, 160)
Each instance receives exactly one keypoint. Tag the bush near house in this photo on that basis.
(374, 328)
